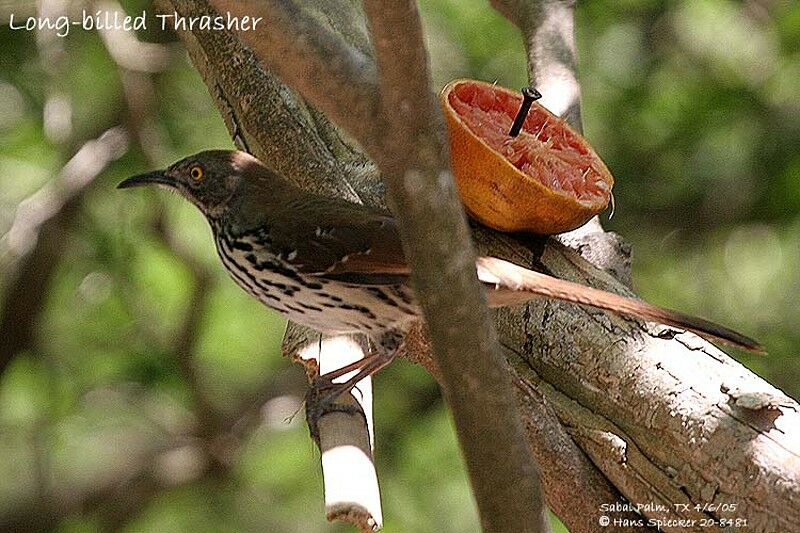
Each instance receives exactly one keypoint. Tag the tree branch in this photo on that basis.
(438, 246)
(337, 77)
(351, 482)
(548, 29)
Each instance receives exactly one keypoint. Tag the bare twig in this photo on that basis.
(346, 440)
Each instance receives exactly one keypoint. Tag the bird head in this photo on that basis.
(208, 179)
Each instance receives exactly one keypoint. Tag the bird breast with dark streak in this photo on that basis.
(326, 305)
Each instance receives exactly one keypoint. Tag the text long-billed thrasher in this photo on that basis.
(338, 267)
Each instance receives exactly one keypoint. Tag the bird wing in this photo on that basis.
(341, 240)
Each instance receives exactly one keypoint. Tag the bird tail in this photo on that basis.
(510, 284)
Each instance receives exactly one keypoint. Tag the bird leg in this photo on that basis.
(385, 352)
(355, 365)
(321, 398)
(368, 366)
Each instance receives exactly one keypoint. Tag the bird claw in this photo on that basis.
(321, 400)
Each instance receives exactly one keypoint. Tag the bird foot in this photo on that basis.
(321, 400)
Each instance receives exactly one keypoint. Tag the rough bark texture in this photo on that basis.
(663, 417)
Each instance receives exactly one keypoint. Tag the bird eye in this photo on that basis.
(196, 173)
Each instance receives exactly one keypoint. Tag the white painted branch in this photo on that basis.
(351, 482)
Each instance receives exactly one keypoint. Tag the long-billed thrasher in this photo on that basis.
(338, 267)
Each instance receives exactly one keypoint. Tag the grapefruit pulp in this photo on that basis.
(546, 180)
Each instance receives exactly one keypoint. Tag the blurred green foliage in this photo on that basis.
(694, 106)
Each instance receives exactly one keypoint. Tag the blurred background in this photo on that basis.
(140, 390)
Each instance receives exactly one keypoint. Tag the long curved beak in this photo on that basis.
(157, 177)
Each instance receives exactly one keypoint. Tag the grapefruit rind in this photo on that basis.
(547, 180)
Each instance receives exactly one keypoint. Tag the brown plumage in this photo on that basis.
(338, 267)
(517, 283)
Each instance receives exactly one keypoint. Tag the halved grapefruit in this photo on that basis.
(546, 180)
